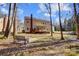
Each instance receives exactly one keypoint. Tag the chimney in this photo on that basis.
(31, 23)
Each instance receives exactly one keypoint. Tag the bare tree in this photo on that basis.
(4, 20)
(60, 21)
(13, 19)
(76, 20)
(8, 22)
(48, 7)
(14, 22)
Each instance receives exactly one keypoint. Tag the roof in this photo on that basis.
(43, 20)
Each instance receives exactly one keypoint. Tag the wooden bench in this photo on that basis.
(21, 39)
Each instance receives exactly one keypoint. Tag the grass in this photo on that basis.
(46, 51)
(71, 54)
(49, 50)
(1, 36)
(44, 38)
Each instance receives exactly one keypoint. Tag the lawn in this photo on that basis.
(41, 37)
(48, 37)
(46, 50)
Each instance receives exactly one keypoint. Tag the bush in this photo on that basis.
(23, 31)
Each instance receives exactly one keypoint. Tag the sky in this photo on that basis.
(39, 10)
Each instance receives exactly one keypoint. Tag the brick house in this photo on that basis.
(33, 25)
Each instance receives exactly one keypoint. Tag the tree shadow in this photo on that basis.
(21, 47)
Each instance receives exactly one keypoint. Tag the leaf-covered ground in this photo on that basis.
(41, 45)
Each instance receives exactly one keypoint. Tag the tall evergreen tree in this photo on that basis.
(31, 24)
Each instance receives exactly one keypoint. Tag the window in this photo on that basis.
(27, 21)
(27, 28)
(44, 22)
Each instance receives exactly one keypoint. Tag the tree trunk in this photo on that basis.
(8, 22)
(50, 19)
(12, 17)
(14, 23)
(49, 11)
(4, 20)
(76, 20)
(60, 22)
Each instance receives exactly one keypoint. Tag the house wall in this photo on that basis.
(38, 25)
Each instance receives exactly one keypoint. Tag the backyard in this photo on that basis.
(41, 44)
